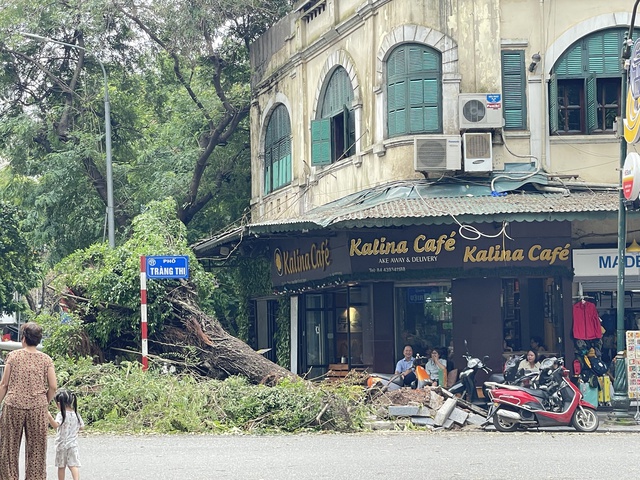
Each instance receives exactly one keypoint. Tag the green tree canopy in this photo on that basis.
(178, 79)
(17, 268)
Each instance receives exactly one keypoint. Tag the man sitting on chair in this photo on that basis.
(404, 366)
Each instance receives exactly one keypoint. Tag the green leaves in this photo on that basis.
(17, 262)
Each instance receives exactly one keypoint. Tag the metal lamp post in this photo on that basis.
(620, 400)
(107, 131)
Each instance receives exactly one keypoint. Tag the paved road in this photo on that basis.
(397, 455)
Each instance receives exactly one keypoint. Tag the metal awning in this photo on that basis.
(406, 203)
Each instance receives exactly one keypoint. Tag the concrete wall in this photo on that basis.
(294, 59)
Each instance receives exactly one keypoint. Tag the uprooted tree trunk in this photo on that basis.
(220, 353)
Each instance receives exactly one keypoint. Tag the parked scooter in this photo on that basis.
(466, 384)
(554, 401)
(511, 375)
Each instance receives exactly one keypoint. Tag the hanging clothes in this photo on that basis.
(586, 322)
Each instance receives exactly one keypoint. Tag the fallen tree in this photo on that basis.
(100, 288)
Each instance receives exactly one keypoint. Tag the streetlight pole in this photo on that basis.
(107, 132)
(620, 400)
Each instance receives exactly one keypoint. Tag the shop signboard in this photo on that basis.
(303, 259)
(631, 121)
(633, 363)
(420, 247)
(446, 246)
(603, 262)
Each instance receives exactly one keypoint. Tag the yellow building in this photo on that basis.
(431, 171)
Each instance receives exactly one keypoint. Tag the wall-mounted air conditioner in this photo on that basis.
(480, 110)
(478, 152)
(437, 153)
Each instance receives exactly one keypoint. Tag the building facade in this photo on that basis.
(432, 172)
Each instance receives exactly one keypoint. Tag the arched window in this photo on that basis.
(277, 150)
(584, 88)
(333, 134)
(414, 90)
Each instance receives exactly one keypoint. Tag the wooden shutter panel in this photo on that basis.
(592, 106)
(321, 141)
(553, 103)
(513, 90)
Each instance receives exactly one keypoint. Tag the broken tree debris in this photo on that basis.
(432, 407)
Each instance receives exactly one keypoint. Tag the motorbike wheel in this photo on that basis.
(585, 420)
(503, 424)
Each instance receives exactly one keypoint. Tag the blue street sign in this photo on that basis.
(170, 266)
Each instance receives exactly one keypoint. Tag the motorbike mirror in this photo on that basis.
(485, 358)
(466, 346)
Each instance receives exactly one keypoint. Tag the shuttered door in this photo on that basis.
(513, 90)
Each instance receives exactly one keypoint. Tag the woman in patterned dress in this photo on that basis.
(27, 386)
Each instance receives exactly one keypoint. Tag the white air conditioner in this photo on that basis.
(437, 153)
(480, 110)
(478, 152)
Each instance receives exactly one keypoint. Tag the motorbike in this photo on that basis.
(466, 384)
(553, 401)
(511, 374)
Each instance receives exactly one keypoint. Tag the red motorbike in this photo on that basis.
(552, 402)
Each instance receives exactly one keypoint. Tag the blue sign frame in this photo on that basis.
(168, 266)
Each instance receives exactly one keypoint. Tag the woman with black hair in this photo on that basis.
(28, 385)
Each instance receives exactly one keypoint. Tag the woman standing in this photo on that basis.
(27, 386)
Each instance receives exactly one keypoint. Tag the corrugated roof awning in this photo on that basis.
(415, 203)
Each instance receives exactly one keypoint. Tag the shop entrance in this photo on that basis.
(532, 309)
(337, 329)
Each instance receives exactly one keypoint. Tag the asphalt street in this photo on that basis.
(608, 453)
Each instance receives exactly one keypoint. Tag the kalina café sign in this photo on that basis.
(418, 247)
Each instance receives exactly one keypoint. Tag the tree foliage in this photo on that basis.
(105, 282)
(178, 83)
(17, 261)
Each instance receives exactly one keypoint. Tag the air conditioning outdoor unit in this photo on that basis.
(437, 153)
(478, 152)
(480, 110)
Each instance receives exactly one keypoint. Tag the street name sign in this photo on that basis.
(169, 266)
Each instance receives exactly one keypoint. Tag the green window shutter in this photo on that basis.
(592, 106)
(571, 62)
(396, 108)
(321, 141)
(553, 103)
(513, 90)
(414, 90)
(277, 146)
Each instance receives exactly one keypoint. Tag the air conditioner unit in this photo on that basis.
(437, 153)
(478, 152)
(480, 110)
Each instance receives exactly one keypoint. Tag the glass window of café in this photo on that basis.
(338, 329)
(423, 317)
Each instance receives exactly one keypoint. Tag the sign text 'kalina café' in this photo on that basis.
(392, 250)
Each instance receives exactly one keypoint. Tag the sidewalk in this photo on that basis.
(609, 423)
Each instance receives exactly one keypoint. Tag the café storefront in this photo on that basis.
(359, 295)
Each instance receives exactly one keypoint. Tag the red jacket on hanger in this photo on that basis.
(586, 322)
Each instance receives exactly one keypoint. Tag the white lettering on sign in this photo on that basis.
(163, 270)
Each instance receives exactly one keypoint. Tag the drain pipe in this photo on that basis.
(550, 189)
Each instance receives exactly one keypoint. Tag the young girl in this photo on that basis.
(67, 423)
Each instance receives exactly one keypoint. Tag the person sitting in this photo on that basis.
(404, 367)
(537, 345)
(530, 363)
(436, 367)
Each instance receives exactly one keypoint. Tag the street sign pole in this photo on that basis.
(143, 311)
(157, 267)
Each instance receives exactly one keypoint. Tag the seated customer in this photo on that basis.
(436, 367)
(404, 366)
(530, 363)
